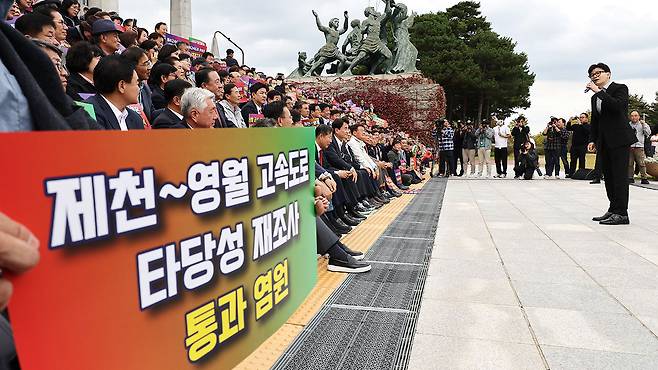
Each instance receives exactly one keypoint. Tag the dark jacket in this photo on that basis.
(50, 107)
(106, 118)
(469, 141)
(248, 109)
(146, 98)
(168, 119)
(158, 98)
(610, 127)
(581, 134)
(521, 136)
(334, 157)
(223, 122)
(78, 85)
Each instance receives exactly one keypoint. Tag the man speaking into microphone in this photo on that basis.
(611, 137)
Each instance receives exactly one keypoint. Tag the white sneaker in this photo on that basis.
(557, 177)
(546, 177)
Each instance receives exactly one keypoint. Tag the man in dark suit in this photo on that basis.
(208, 78)
(172, 116)
(255, 105)
(143, 68)
(337, 158)
(118, 86)
(199, 110)
(611, 136)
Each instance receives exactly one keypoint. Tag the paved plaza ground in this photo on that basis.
(521, 278)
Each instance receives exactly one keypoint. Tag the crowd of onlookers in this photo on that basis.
(564, 143)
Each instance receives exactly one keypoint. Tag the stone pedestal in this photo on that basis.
(409, 102)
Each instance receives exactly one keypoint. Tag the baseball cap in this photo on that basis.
(104, 26)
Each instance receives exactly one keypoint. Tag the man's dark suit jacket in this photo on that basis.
(223, 122)
(334, 157)
(146, 97)
(158, 98)
(50, 107)
(248, 109)
(168, 119)
(78, 85)
(106, 118)
(611, 125)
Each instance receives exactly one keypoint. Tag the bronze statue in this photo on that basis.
(367, 43)
(303, 65)
(373, 48)
(354, 40)
(329, 52)
(406, 53)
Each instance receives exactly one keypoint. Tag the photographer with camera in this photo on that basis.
(469, 143)
(552, 148)
(581, 131)
(521, 134)
(528, 162)
(447, 147)
(485, 138)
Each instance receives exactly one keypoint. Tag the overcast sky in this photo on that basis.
(561, 38)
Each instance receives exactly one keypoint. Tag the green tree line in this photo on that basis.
(480, 70)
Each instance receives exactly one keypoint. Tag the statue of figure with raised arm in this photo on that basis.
(406, 53)
(354, 39)
(329, 52)
(373, 49)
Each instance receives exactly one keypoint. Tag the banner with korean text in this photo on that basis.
(196, 49)
(172, 249)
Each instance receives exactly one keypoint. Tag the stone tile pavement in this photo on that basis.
(521, 278)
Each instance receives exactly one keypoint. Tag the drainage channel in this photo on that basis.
(370, 320)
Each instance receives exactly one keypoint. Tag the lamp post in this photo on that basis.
(215, 45)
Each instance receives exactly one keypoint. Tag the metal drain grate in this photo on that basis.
(369, 321)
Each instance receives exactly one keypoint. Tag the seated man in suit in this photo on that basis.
(258, 100)
(208, 78)
(278, 112)
(335, 160)
(198, 108)
(118, 86)
(143, 69)
(172, 116)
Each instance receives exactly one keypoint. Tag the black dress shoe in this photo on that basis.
(616, 220)
(604, 217)
(356, 255)
(595, 181)
(356, 215)
(374, 203)
(645, 182)
(347, 220)
(364, 210)
(380, 198)
(350, 265)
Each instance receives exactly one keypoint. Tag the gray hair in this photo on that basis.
(194, 98)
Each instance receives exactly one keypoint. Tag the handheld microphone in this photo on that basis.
(587, 90)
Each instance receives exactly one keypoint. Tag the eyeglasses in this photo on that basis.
(147, 64)
(596, 74)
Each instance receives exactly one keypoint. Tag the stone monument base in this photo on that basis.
(409, 102)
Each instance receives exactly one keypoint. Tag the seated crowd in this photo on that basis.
(57, 61)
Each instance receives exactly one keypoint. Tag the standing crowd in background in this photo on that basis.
(465, 149)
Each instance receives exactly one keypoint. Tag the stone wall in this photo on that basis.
(409, 102)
